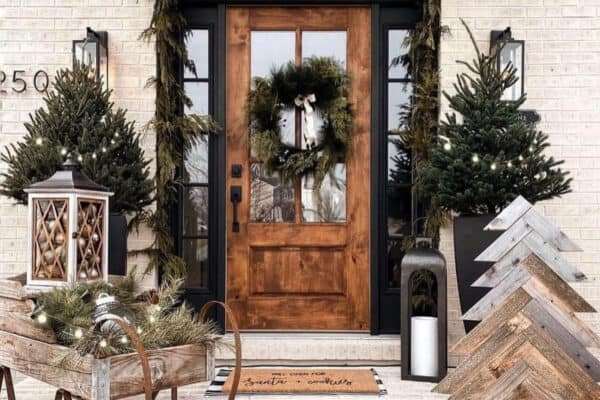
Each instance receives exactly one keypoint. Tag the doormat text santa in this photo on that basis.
(282, 381)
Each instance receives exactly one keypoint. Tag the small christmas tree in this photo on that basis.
(487, 158)
(80, 120)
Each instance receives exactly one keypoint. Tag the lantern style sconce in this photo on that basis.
(68, 225)
(423, 314)
(93, 51)
(510, 51)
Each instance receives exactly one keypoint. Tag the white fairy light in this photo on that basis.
(157, 308)
(42, 318)
(531, 149)
(537, 176)
(116, 134)
(63, 151)
(124, 339)
(94, 156)
(520, 158)
(447, 146)
(138, 330)
(152, 319)
(509, 164)
(103, 343)
(475, 158)
(493, 166)
(112, 141)
(78, 333)
(80, 158)
(104, 149)
(39, 141)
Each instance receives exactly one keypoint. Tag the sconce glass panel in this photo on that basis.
(512, 53)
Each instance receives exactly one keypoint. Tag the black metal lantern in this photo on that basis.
(510, 51)
(93, 51)
(423, 313)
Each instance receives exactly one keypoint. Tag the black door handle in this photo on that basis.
(235, 193)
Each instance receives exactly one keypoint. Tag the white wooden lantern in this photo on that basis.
(68, 228)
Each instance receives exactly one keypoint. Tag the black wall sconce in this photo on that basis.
(423, 314)
(510, 51)
(93, 51)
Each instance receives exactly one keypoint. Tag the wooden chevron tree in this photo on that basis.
(530, 342)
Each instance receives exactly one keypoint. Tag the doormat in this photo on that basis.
(300, 381)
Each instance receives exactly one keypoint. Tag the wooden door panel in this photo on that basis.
(299, 276)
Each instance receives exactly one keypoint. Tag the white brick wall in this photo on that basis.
(38, 34)
(562, 80)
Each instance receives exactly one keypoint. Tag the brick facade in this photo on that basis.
(562, 81)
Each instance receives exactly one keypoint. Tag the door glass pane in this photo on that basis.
(398, 104)
(396, 50)
(198, 93)
(325, 44)
(328, 204)
(195, 255)
(399, 211)
(195, 211)
(394, 256)
(197, 47)
(196, 163)
(271, 49)
(270, 200)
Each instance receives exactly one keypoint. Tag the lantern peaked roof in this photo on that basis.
(68, 178)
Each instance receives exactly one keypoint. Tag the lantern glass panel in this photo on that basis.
(51, 224)
(90, 239)
(512, 53)
(86, 52)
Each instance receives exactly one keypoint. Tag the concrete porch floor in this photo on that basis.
(30, 389)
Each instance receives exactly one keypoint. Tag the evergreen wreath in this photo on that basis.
(320, 86)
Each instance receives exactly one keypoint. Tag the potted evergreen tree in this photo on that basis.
(483, 160)
(79, 119)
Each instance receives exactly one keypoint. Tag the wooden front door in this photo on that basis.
(300, 261)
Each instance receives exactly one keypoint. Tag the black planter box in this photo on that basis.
(470, 240)
(117, 244)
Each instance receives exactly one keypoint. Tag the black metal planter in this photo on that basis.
(117, 244)
(469, 241)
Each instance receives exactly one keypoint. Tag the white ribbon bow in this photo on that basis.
(310, 135)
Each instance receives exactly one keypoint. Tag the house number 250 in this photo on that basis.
(19, 85)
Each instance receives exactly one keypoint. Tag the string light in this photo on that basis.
(139, 330)
(103, 343)
(39, 141)
(493, 166)
(80, 158)
(152, 319)
(447, 146)
(63, 151)
(475, 158)
(78, 333)
(104, 149)
(42, 318)
(531, 149)
(520, 158)
(124, 339)
(116, 134)
(509, 164)
(94, 156)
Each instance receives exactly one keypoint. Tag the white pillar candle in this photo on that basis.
(424, 346)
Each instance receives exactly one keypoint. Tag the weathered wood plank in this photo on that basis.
(39, 360)
(569, 343)
(170, 367)
(509, 215)
(509, 383)
(25, 307)
(13, 288)
(505, 242)
(486, 328)
(512, 281)
(551, 233)
(532, 244)
(21, 324)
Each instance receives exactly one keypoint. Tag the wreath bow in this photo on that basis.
(310, 135)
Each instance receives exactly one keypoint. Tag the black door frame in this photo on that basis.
(212, 15)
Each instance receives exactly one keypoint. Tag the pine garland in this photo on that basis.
(68, 312)
(329, 82)
(421, 116)
(176, 132)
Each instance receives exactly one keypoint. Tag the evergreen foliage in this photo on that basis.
(489, 156)
(420, 118)
(329, 81)
(79, 118)
(165, 324)
(176, 132)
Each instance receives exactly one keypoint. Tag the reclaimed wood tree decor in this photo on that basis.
(530, 342)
